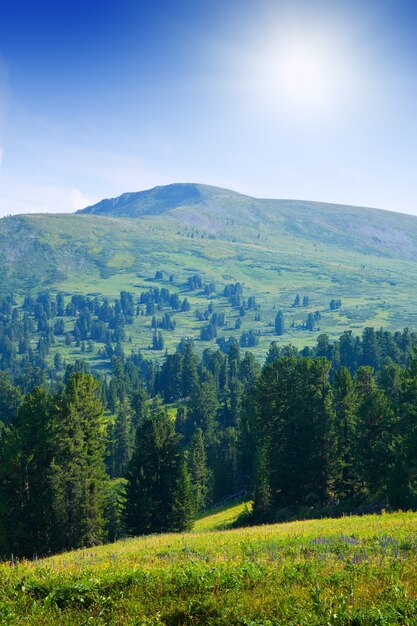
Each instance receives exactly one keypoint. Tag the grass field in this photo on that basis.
(348, 571)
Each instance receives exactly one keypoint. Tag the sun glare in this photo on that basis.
(303, 74)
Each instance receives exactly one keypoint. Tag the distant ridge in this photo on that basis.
(163, 198)
(275, 248)
(149, 202)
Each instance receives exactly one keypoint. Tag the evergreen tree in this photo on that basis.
(122, 442)
(182, 505)
(370, 348)
(403, 483)
(26, 519)
(345, 404)
(273, 353)
(279, 323)
(226, 464)
(189, 370)
(294, 413)
(199, 472)
(171, 377)
(375, 435)
(203, 408)
(153, 474)
(10, 399)
(77, 470)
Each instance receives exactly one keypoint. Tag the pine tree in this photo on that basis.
(345, 404)
(273, 353)
(77, 470)
(203, 408)
(26, 519)
(226, 479)
(262, 498)
(182, 505)
(233, 359)
(189, 370)
(199, 472)
(375, 435)
(122, 442)
(370, 349)
(293, 414)
(10, 399)
(153, 474)
(403, 478)
(279, 323)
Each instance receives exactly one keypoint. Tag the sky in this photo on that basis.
(301, 99)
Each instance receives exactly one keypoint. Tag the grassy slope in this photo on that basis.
(275, 248)
(353, 570)
(222, 517)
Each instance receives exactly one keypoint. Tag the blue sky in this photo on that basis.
(310, 99)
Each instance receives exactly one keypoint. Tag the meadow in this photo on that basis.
(346, 571)
(275, 249)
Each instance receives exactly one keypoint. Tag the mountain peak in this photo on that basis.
(153, 201)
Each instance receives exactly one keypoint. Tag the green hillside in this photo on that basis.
(274, 248)
(351, 571)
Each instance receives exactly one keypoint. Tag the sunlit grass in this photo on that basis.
(352, 570)
(221, 517)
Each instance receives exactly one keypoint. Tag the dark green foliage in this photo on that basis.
(313, 428)
(10, 399)
(294, 413)
(114, 503)
(376, 434)
(182, 505)
(310, 322)
(345, 401)
(198, 471)
(154, 488)
(189, 370)
(203, 408)
(77, 469)
(26, 511)
(226, 477)
(121, 440)
(279, 323)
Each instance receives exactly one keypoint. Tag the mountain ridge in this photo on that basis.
(172, 191)
(274, 248)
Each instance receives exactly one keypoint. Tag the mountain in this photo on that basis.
(274, 248)
(212, 208)
(150, 202)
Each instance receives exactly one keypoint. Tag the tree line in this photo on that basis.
(86, 459)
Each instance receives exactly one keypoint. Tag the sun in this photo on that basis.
(301, 73)
(302, 76)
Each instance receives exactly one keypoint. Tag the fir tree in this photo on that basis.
(182, 504)
(189, 370)
(153, 474)
(375, 435)
(26, 517)
(279, 323)
(77, 470)
(345, 404)
(198, 470)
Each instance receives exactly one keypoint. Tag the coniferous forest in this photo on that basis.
(145, 445)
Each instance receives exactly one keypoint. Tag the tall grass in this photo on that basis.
(352, 570)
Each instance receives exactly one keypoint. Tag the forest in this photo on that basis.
(145, 445)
